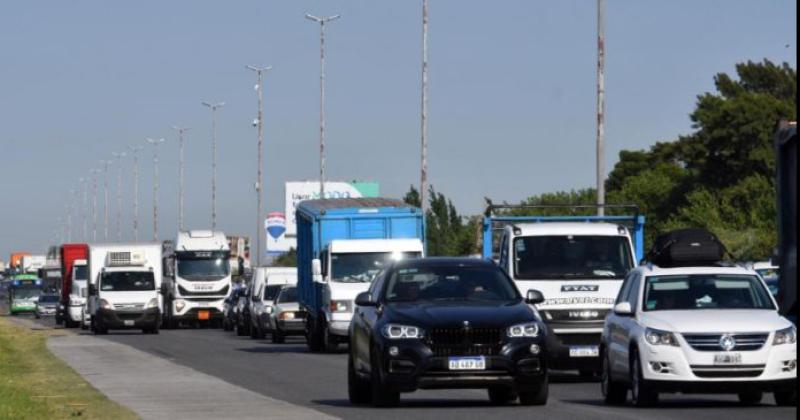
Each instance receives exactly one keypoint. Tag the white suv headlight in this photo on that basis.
(785, 336)
(660, 338)
(396, 332)
(530, 329)
(152, 304)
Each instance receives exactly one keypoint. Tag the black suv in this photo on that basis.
(437, 323)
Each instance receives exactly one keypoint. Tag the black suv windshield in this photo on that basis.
(127, 281)
(706, 291)
(450, 283)
(571, 257)
(288, 295)
(203, 266)
(362, 267)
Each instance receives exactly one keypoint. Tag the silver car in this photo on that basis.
(286, 318)
(46, 305)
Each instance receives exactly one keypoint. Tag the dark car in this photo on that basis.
(229, 309)
(242, 312)
(437, 323)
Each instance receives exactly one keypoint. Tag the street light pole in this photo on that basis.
(601, 107)
(322, 21)
(85, 182)
(260, 176)
(119, 157)
(135, 152)
(214, 108)
(95, 173)
(155, 143)
(180, 131)
(70, 206)
(105, 164)
(423, 193)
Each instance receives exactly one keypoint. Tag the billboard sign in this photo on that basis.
(309, 190)
(275, 227)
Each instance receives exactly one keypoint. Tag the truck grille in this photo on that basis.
(710, 342)
(739, 371)
(592, 339)
(576, 315)
(189, 293)
(465, 341)
(129, 306)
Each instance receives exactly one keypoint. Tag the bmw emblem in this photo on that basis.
(466, 324)
(727, 342)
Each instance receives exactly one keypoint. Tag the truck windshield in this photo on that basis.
(213, 267)
(707, 291)
(127, 281)
(81, 272)
(571, 257)
(362, 267)
(271, 291)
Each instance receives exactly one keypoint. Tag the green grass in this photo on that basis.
(34, 384)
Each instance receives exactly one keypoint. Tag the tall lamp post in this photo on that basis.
(135, 152)
(85, 208)
(95, 173)
(155, 143)
(601, 107)
(423, 189)
(214, 107)
(322, 22)
(181, 131)
(119, 157)
(105, 164)
(259, 176)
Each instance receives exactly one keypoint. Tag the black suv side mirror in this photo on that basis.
(365, 299)
(534, 297)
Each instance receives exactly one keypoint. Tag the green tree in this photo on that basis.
(447, 232)
(288, 259)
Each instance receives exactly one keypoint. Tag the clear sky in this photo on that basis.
(512, 95)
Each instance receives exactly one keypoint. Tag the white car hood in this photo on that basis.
(346, 291)
(715, 321)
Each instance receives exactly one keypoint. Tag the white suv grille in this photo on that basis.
(711, 342)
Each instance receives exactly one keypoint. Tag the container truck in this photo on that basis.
(124, 287)
(341, 245)
(578, 263)
(68, 254)
(32, 263)
(15, 262)
(199, 278)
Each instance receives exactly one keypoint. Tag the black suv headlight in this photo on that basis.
(529, 329)
(400, 332)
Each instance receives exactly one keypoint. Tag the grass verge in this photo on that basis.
(34, 384)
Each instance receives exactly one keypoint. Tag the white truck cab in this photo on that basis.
(124, 287)
(579, 268)
(80, 290)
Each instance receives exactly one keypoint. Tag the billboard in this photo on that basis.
(275, 227)
(309, 190)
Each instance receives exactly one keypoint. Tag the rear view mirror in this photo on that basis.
(534, 297)
(623, 309)
(316, 270)
(365, 299)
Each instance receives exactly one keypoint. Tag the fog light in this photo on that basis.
(535, 349)
(789, 365)
(394, 351)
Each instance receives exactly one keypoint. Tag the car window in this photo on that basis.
(633, 292)
(436, 283)
(705, 291)
(626, 287)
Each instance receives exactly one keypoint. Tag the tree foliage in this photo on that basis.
(447, 232)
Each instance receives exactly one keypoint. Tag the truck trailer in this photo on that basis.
(68, 254)
(341, 245)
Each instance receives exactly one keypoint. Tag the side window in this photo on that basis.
(625, 289)
(633, 295)
(504, 252)
(377, 283)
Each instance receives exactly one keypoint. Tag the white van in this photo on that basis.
(267, 282)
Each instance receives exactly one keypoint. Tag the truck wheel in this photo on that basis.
(313, 336)
(358, 389)
(642, 395)
(537, 394)
(614, 393)
(382, 395)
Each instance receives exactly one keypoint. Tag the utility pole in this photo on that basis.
(423, 188)
(322, 21)
(601, 107)
(180, 131)
(85, 213)
(119, 157)
(69, 207)
(95, 173)
(259, 176)
(135, 152)
(105, 164)
(214, 108)
(155, 144)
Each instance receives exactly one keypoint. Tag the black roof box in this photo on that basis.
(686, 248)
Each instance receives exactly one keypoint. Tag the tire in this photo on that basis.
(358, 389)
(642, 394)
(614, 393)
(501, 395)
(382, 395)
(750, 397)
(329, 344)
(786, 398)
(535, 395)
(37, 316)
(278, 337)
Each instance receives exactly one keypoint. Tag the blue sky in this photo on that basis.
(512, 95)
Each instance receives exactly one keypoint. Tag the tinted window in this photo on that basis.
(271, 291)
(571, 257)
(664, 293)
(288, 295)
(449, 283)
(127, 281)
(81, 272)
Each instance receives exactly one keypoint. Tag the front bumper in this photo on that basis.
(293, 326)
(19, 309)
(416, 367)
(148, 318)
(339, 323)
(46, 311)
(192, 309)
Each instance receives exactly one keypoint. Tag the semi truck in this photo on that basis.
(68, 254)
(32, 263)
(124, 287)
(578, 263)
(786, 183)
(341, 245)
(15, 262)
(198, 278)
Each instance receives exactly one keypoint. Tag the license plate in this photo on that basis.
(728, 359)
(584, 351)
(202, 315)
(128, 323)
(467, 363)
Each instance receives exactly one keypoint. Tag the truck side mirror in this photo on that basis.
(534, 297)
(316, 271)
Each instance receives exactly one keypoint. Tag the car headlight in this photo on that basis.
(287, 315)
(341, 305)
(180, 304)
(397, 332)
(105, 305)
(269, 309)
(530, 329)
(785, 336)
(660, 338)
(152, 304)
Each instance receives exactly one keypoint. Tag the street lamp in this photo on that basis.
(155, 143)
(135, 152)
(95, 173)
(105, 164)
(85, 213)
(259, 177)
(180, 131)
(322, 21)
(214, 107)
(423, 193)
(119, 157)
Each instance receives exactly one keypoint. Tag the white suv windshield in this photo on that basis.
(705, 291)
(571, 257)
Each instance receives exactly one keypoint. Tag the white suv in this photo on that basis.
(697, 329)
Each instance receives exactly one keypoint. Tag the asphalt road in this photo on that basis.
(319, 381)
